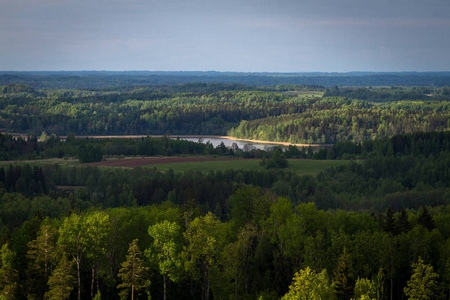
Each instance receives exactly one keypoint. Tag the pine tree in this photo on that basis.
(42, 255)
(61, 282)
(133, 272)
(43, 248)
(8, 274)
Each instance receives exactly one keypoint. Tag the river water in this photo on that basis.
(243, 145)
(214, 140)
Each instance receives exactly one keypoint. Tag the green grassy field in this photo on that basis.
(305, 94)
(302, 167)
(40, 162)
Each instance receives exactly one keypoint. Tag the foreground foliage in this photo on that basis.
(423, 282)
(292, 251)
(307, 284)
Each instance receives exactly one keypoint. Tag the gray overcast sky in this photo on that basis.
(225, 35)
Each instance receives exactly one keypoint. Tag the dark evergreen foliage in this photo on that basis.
(343, 280)
(89, 153)
(277, 160)
(425, 218)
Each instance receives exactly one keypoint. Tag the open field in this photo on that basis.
(41, 162)
(189, 163)
(305, 94)
(300, 166)
(149, 161)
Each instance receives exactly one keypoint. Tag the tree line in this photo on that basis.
(267, 247)
(342, 122)
(280, 113)
(390, 94)
(105, 79)
(404, 171)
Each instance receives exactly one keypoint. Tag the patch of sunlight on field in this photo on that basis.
(305, 94)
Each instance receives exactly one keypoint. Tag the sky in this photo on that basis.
(225, 35)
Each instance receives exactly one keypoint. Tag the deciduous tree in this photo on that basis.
(166, 250)
(423, 282)
(307, 284)
(85, 236)
(205, 240)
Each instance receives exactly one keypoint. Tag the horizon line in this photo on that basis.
(219, 72)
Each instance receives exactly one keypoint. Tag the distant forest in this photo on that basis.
(100, 79)
(282, 113)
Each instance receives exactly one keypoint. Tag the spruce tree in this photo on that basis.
(389, 221)
(425, 219)
(343, 281)
(403, 224)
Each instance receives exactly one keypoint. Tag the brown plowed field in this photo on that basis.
(148, 161)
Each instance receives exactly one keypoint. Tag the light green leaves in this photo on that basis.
(423, 282)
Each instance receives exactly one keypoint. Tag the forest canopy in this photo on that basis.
(285, 113)
(375, 226)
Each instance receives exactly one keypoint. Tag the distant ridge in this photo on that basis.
(102, 79)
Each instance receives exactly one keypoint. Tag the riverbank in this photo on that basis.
(275, 143)
(198, 137)
(231, 138)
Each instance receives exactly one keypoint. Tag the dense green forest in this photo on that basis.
(222, 234)
(295, 114)
(376, 227)
(93, 79)
(390, 94)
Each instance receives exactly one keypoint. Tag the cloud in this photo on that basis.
(376, 21)
(232, 34)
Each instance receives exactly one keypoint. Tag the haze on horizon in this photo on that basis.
(232, 35)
